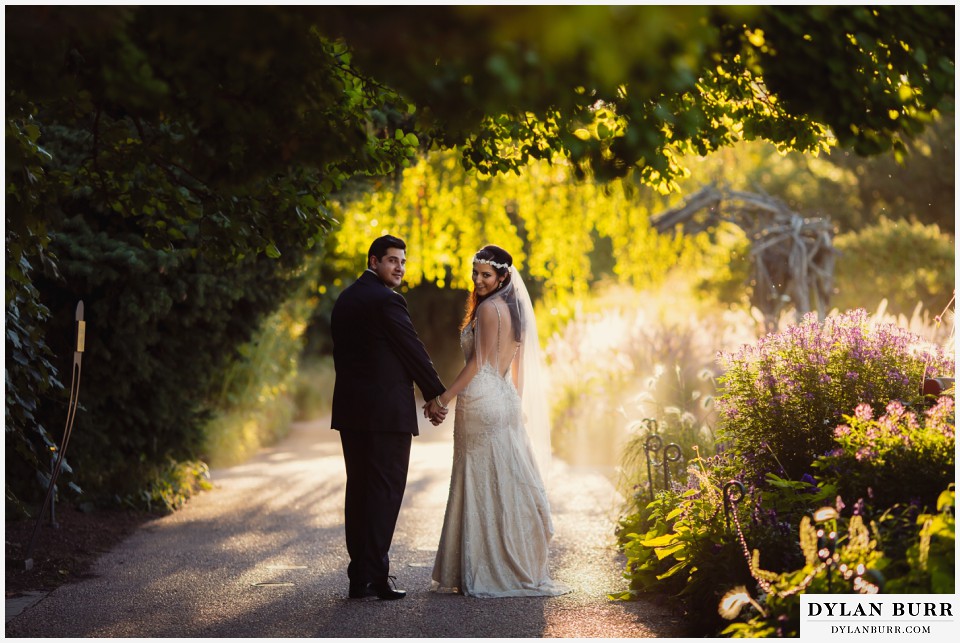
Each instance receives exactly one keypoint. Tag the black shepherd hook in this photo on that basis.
(652, 445)
(671, 453)
(67, 430)
(729, 489)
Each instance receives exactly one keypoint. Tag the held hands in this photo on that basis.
(434, 411)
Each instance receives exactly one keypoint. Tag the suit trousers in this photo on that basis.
(377, 464)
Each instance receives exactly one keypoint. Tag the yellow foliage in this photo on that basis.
(545, 219)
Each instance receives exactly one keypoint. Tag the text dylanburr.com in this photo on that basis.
(843, 617)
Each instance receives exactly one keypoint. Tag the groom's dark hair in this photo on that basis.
(380, 246)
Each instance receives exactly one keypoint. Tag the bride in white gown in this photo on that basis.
(497, 524)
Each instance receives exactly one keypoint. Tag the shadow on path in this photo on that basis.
(262, 555)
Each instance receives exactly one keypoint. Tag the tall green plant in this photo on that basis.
(32, 379)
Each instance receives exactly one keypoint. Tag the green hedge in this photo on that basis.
(902, 262)
(164, 328)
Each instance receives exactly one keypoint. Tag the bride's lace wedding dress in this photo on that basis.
(497, 524)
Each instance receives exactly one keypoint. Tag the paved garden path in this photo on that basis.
(262, 555)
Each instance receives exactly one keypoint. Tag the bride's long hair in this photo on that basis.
(501, 256)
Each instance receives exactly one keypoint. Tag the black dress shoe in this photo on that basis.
(363, 591)
(370, 591)
(387, 593)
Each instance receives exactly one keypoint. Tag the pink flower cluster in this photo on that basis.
(898, 426)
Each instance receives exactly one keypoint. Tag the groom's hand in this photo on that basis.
(437, 414)
(434, 412)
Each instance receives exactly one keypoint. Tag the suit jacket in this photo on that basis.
(377, 356)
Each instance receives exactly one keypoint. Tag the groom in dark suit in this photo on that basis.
(378, 357)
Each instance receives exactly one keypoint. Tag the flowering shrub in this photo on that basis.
(839, 399)
(906, 457)
(782, 397)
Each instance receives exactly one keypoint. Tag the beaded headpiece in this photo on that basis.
(501, 266)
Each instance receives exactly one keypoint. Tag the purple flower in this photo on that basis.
(812, 484)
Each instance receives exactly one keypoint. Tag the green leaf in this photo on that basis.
(669, 551)
(272, 251)
(946, 499)
(673, 570)
(661, 541)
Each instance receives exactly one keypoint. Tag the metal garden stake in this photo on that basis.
(68, 428)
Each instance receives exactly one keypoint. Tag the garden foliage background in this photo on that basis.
(207, 181)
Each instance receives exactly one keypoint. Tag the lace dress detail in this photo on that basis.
(497, 524)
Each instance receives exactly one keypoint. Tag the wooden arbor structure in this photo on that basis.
(792, 257)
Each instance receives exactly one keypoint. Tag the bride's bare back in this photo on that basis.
(496, 343)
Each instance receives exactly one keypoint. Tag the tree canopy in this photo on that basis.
(241, 120)
(631, 88)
